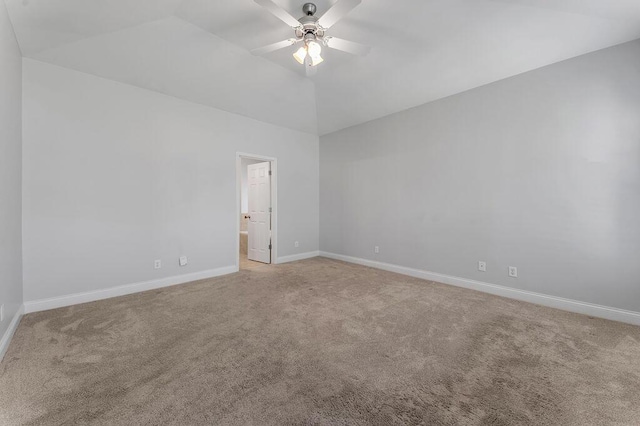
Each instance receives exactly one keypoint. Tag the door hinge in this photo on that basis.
(270, 210)
(269, 246)
(269, 172)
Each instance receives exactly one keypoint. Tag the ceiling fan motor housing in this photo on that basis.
(309, 24)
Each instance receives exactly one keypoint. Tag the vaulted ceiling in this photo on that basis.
(422, 50)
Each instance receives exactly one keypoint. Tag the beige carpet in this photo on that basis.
(319, 342)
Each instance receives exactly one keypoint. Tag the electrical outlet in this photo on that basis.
(157, 264)
(183, 260)
(482, 266)
(513, 272)
(296, 244)
(1, 313)
(376, 249)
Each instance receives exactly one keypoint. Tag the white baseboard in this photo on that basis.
(6, 338)
(301, 256)
(570, 305)
(92, 296)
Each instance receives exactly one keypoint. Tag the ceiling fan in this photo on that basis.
(311, 31)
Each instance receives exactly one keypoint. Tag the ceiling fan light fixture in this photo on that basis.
(301, 54)
(314, 49)
(315, 60)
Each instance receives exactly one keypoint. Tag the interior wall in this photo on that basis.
(10, 172)
(117, 176)
(540, 171)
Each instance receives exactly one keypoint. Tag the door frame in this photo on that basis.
(274, 202)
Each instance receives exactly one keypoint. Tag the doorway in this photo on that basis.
(256, 206)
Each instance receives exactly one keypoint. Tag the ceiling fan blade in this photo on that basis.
(279, 12)
(347, 46)
(273, 47)
(337, 12)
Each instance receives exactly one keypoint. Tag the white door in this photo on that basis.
(259, 212)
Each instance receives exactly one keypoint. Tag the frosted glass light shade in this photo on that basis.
(300, 54)
(314, 48)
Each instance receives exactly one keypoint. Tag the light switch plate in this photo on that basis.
(183, 260)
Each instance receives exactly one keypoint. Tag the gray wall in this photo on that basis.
(10, 171)
(116, 176)
(540, 171)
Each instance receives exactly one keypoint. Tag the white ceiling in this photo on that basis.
(423, 50)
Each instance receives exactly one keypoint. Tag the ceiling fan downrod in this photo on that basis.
(309, 9)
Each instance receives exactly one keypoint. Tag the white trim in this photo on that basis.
(6, 338)
(92, 296)
(300, 256)
(570, 305)
(274, 202)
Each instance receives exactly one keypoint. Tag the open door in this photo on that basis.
(259, 206)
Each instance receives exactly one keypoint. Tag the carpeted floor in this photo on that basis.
(319, 342)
